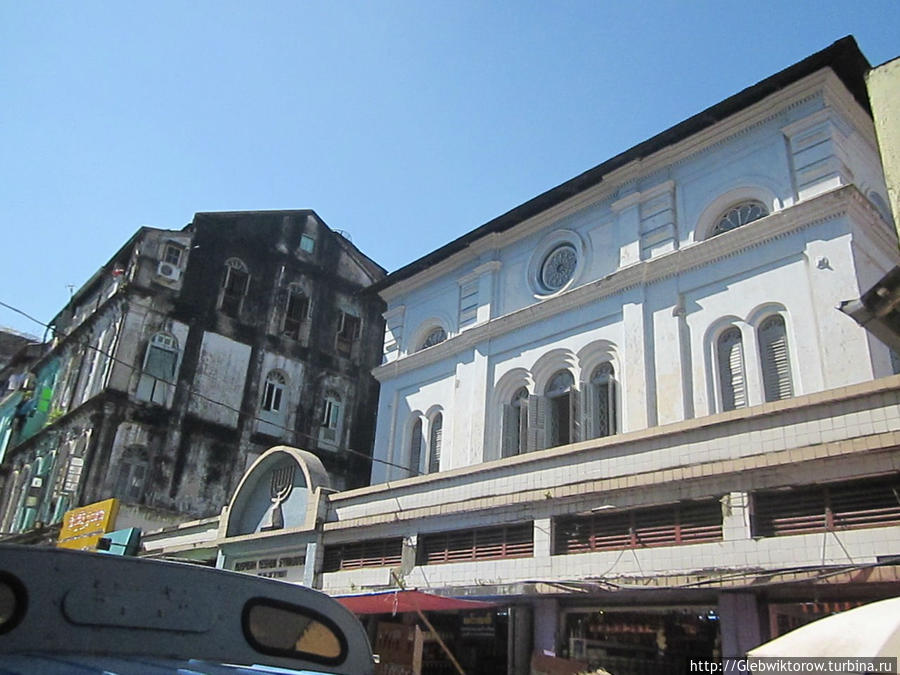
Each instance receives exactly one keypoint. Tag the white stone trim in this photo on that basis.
(819, 209)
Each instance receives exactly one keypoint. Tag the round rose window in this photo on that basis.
(558, 267)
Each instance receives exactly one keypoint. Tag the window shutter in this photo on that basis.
(588, 405)
(776, 364)
(415, 449)
(611, 396)
(509, 441)
(335, 415)
(731, 369)
(437, 434)
(604, 400)
(160, 363)
(276, 398)
(574, 416)
(522, 439)
(537, 414)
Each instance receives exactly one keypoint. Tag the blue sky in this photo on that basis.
(405, 124)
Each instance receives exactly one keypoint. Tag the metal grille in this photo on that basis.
(376, 553)
(837, 506)
(671, 525)
(491, 543)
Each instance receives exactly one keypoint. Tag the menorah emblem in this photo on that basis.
(279, 490)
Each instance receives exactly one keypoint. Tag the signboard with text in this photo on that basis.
(83, 527)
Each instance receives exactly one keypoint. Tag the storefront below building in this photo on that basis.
(405, 645)
(400, 623)
(644, 642)
(785, 617)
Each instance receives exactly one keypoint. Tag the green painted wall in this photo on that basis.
(41, 399)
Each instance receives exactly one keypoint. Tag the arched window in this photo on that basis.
(416, 454)
(603, 400)
(739, 215)
(234, 287)
(561, 414)
(775, 358)
(273, 405)
(158, 373)
(273, 392)
(435, 439)
(132, 474)
(732, 380)
(515, 424)
(434, 336)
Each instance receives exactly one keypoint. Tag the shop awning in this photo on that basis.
(398, 602)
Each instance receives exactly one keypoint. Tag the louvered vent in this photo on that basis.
(490, 543)
(838, 506)
(375, 553)
(671, 525)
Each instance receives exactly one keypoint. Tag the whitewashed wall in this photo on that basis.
(649, 289)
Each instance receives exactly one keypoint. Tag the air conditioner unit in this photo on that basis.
(168, 271)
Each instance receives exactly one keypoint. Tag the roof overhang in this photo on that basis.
(843, 57)
(402, 601)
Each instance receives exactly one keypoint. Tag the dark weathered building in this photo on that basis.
(187, 355)
(11, 343)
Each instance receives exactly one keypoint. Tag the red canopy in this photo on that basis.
(397, 602)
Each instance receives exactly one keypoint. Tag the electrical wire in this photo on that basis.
(27, 316)
(194, 392)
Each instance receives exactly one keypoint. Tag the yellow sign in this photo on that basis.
(83, 527)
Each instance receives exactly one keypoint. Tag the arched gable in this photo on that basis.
(274, 493)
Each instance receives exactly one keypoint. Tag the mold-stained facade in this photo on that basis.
(189, 353)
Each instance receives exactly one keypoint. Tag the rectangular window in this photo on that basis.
(160, 362)
(130, 480)
(331, 420)
(851, 505)
(348, 332)
(235, 287)
(158, 374)
(351, 556)
(307, 243)
(295, 313)
(73, 474)
(670, 525)
(172, 254)
(489, 543)
(272, 397)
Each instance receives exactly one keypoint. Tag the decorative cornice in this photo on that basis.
(394, 311)
(823, 85)
(629, 200)
(779, 224)
(490, 266)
